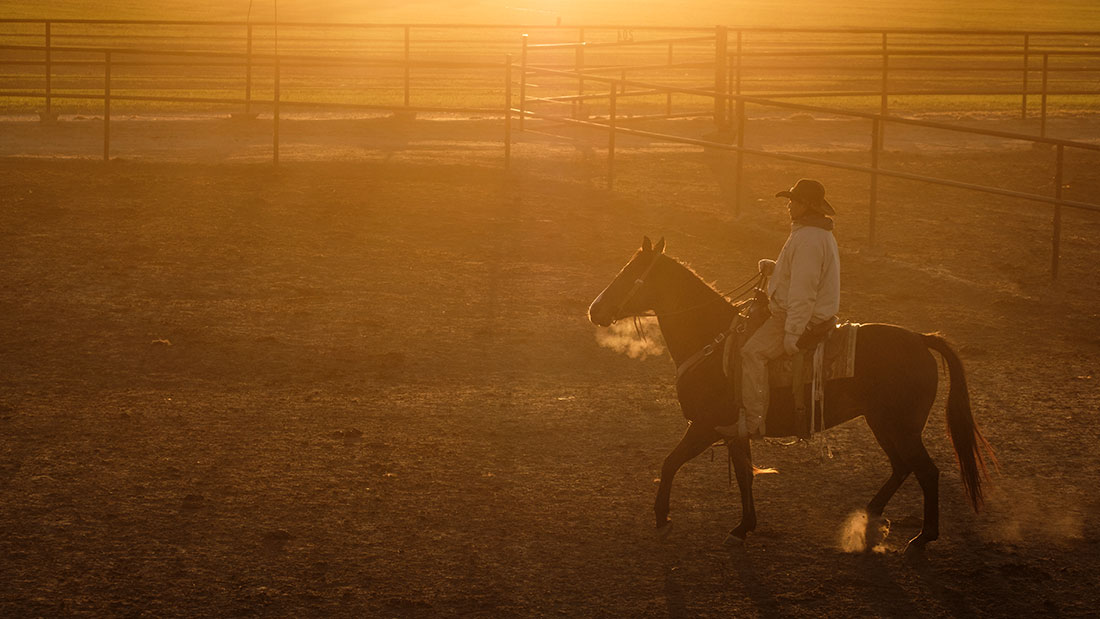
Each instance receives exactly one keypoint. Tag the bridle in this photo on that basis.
(638, 283)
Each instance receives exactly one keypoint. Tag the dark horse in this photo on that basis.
(893, 388)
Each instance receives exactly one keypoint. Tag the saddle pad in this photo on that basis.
(839, 360)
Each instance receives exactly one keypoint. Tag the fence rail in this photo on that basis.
(277, 62)
(728, 68)
(616, 90)
(746, 47)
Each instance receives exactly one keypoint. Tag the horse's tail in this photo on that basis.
(965, 436)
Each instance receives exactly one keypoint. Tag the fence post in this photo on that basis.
(1023, 104)
(1043, 113)
(876, 129)
(721, 52)
(107, 106)
(729, 89)
(508, 111)
(611, 138)
(738, 165)
(523, 82)
(49, 73)
(248, 73)
(407, 59)
(737, 76)
(579, 67)
(668, 97)
(275, 114)
(884, 106)
(735, 88)
(1057, 237)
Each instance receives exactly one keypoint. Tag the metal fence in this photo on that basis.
(109, 60)
(869, 67)
(593, 73)
(612, 124)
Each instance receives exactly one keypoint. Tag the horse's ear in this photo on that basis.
(660, 247)
(647, 245)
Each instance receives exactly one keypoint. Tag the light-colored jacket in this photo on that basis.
(806, 284)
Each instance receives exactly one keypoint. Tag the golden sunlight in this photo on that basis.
(549, 308)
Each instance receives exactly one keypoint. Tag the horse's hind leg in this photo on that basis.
(907, 454)
(694, 442)
(928, 474)
(899, 470)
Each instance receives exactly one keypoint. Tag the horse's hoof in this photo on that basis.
(915, 548)
(735, 539)
(922, 539)
(732, 541)
(664, 530)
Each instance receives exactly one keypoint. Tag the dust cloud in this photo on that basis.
(857, 536)
(1031, 510)
(637, 340)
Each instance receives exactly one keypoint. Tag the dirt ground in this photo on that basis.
(363, 383)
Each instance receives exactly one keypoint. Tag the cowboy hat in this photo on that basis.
(811, 193)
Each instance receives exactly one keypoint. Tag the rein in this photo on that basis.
(737, 325)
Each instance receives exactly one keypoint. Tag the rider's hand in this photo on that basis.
(766, 267)
(790, 343)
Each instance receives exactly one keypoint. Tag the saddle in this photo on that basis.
(827, 353)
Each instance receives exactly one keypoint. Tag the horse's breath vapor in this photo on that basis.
(637, 343)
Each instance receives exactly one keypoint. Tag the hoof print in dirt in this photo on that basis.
(386, 365)
(348, 435)
(275, 540)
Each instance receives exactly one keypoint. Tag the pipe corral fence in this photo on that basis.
(602, 77)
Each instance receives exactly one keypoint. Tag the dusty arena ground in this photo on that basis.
(363, 383)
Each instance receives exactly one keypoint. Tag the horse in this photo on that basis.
(894, 387)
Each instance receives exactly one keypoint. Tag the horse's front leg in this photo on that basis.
(743, 469)
(694, 442)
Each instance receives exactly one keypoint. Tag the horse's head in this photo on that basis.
(628, 294)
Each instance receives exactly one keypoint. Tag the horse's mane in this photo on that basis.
(701, 283)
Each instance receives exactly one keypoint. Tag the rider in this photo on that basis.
(804, 290)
